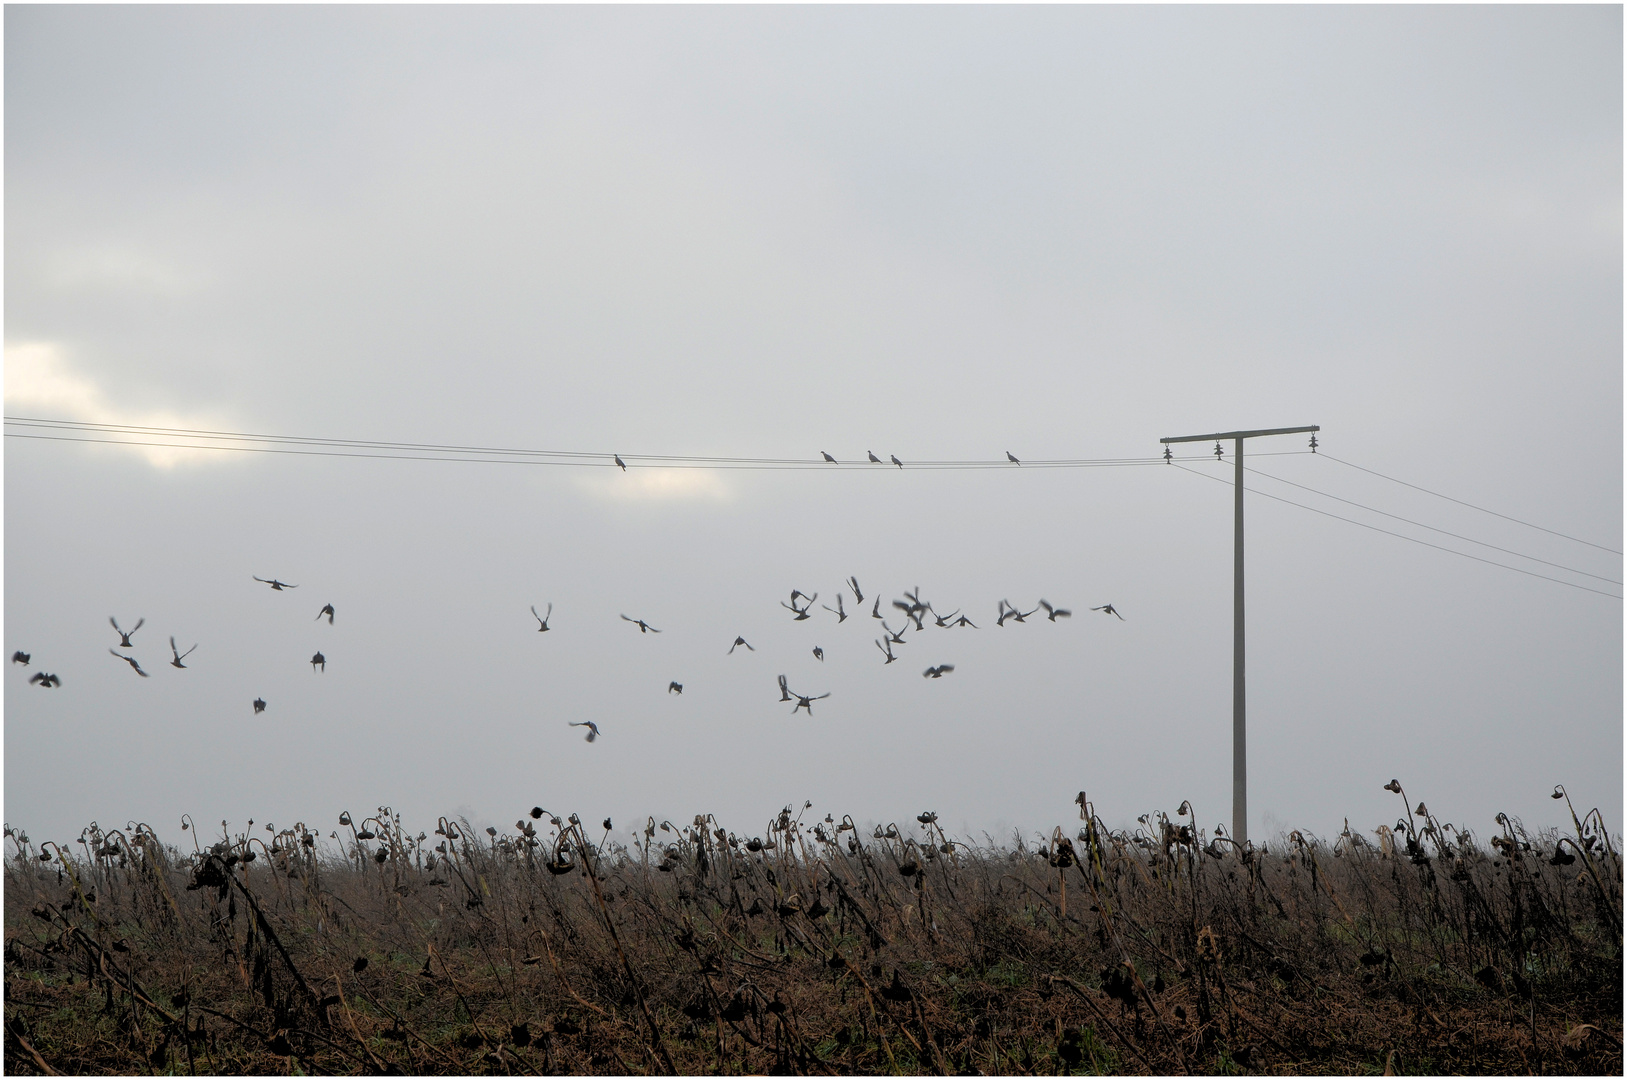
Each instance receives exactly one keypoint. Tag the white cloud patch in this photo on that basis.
(39, 382)
(120, 269)
(656, 485)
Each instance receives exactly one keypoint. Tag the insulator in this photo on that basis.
(1313, 442)
(1169, 459)
(1218, 451)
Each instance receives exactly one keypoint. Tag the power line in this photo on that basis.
(638, 461)
(245, 442)
(1431, 528)
(1403, 536)
(1470, 505)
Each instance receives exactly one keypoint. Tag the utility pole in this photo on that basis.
(1239, 729)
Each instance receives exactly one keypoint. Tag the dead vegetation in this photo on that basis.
(815, 948)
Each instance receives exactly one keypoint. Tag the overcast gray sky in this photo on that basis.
(940, 233)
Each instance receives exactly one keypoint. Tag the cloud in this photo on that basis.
(655, 485)
(39, 382)
(120, 269)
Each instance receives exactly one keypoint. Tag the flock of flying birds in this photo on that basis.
(50, 680)
(914, 609)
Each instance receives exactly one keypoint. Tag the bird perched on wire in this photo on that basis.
(542, 621)
(20, 657)
(894, 459)
(259, 705)
(131, 661)
(1055, 613)
(887, 650)
(1108, 609)
(819, 654)
(45, 680)
(841, 615)
(179, 656)
(873, 456)
(643, 627)
(327, 609)
(277, 586)
(937, 672)
(828, 458)
(593, 729)
(319, 661)
(623, 465)
(739, 641)
(124, 638)
(1012, 458)
(675, 688)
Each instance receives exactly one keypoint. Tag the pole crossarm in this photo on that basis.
(1241, 434)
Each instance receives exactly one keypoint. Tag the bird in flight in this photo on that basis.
(643, 627)
(896, 636)
(785, 693)
(828, 458)
(1109, 609)
(873, 456)
(801, 612)
(20, 657)
(875, 609)
(1010, 611)
(623, 465)
(179, 656)
(259, 705)
(945, 621)
(937, 672)
(593, 729)
(914, 609)
(327, 609)
(47, 681)
(739, 641)
(964, 621)
(131, 661)
(319, 661)
(279, 586)
(895, 461)
(1055, 613)
(819, 654)
(675, 688)
(1012, 458)
(806, 702)
(542, 620)
(841, 615)
(853, 583)
(124, 638)
(887, 649)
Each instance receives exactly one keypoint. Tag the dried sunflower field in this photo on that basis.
(815, 947)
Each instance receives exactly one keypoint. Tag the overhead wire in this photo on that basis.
(238, 441)
(1431, 528)
(1403, 536)
(199, 439)
(1472, 506)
